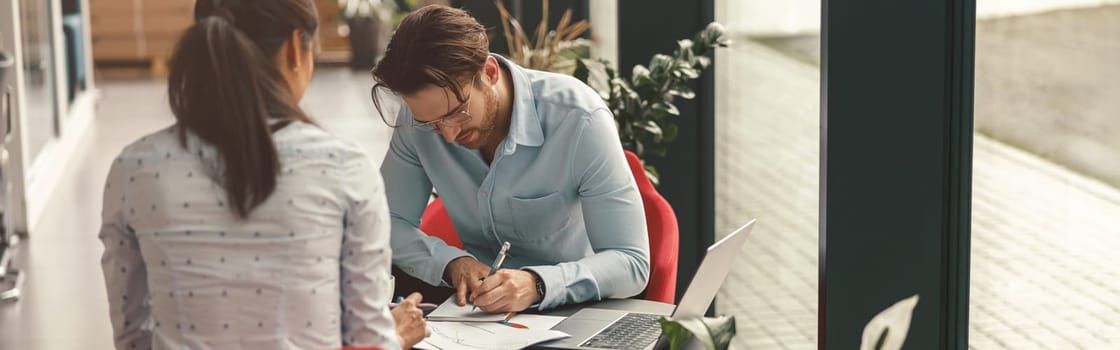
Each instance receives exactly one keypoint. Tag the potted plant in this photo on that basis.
(553, 50)
(367, 21)
(643, 104)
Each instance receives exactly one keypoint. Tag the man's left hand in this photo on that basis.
(507, 290)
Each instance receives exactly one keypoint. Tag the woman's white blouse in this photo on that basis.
(308, 269)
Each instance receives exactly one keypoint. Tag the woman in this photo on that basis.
(244, 225)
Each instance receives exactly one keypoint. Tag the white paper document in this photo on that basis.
(450, 311)
(541, 322)
(486, 335)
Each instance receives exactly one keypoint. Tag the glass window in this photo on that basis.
(40, 108)
(767, 167)
(1046, 176)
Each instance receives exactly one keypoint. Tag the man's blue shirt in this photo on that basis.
(559, 190)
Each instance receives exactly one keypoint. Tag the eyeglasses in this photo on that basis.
(456, 118)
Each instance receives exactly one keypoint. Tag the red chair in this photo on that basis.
(664, 240)
(664, 237)
(436, 222)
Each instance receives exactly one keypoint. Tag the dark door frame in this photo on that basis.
(896, 167)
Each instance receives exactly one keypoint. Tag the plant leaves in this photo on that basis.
(689, 72)
(712, 332)
(505, 25)
(652, 174)
(641, 103)
(669, 132)
(653, 129)
(581, 72)
(683, 91)
(684, 45)
(672, 109)
(703, 61)
(659, 64)
(640, 76)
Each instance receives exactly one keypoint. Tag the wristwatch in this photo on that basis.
(539, 284)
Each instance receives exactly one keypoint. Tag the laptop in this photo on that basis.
(592, 328)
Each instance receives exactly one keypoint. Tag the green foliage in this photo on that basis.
(712, 332)
(643, 105)
(555, 50)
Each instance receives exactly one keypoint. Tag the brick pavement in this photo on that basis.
(1042, 271)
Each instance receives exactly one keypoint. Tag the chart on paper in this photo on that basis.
(492, 335)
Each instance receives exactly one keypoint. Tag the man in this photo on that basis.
(517, 155)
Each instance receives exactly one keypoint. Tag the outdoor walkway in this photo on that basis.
(1043, 237)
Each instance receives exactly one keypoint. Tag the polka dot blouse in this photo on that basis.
(307, 269)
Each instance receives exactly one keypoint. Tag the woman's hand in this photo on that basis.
(409, 319)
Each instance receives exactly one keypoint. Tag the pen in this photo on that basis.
(497, 262)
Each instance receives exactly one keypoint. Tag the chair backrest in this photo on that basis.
(436, 222)
(661, 221)
(664, 237)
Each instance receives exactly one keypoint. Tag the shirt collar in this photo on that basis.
(525, 123)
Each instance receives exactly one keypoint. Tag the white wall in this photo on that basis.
(770, 17)
(778, 17)
(604, 29)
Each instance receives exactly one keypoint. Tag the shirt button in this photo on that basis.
(483, 194)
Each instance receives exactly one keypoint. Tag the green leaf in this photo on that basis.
(652, 128)
(712, 332)
(581, 72)
(662, 109)
(683, 91)
(672, 109)
(660, 64)
(669, 132)
(640, 76)
(684, 45)
(675, 332)
(651, 173)
(690, 72)
(703, 61)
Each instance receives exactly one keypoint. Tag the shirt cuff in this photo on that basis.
(553, 285)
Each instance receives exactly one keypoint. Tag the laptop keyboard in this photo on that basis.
(633, 331)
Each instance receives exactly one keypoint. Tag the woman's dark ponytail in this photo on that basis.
(224, 87)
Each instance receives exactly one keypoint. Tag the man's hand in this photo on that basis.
(465, 274)
(411, 327)
(507, 290)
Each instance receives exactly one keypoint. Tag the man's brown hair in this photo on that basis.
(435, 45)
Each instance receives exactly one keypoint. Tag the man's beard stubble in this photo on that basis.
(489, 124)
